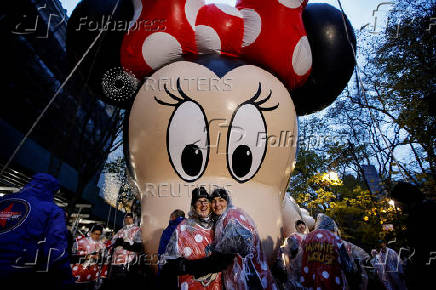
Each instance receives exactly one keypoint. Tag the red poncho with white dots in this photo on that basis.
(321, 265)
(192, 240)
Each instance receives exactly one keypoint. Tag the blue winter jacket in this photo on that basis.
(166, 235)
(33, 234)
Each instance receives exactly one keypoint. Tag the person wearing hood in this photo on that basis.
(33, 237)
(126, 244)
(389, 268)
(361, 260)
(237, 250)
(325, 261)
(87, 252)
(290, 256)
(236, 233)
(189, 244)
(176, 217)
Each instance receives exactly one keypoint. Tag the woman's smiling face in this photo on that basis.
(202, 207)
(219, 205)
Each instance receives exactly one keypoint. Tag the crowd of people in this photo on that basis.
(216, 246)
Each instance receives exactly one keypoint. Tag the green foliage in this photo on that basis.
(359, 214)
(385, 119)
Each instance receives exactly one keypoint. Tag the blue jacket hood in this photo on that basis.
(166, 234)
(43, 186)
(176, 221)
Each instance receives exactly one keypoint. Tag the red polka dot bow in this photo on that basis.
(265, 32)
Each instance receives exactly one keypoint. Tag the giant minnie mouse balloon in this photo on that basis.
(216, 106)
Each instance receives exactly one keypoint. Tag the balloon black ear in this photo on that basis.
(333, 57)
(95, 33)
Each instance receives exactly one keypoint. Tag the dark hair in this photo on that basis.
(299, 222)
(406, 192)
(220, 192)
(198, 193)
(129, 215)
(96, 228)
(178, 213)
(382, 241)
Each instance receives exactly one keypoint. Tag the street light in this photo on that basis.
(392, 203)
(333, 176)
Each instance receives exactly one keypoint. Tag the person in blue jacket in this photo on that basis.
(33, 237)
(175, 218)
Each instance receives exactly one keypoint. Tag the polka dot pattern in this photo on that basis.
(198, 238)
(192, 244)
(302, 57)
(191, 10)
(253, 30)
(208, 41)
(230, 10)
(160, 48)
(291, 3)
(320, 256)
(184, 286)
(187, 251)
(252, 26)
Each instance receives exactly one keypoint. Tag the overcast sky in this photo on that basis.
(360, 12)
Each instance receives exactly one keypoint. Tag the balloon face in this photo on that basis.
(191, 125)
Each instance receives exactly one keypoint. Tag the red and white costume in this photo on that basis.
(130, 234)
(87, 270)
(235, 232)
(298, 236)
(321, 264)
(191, 240)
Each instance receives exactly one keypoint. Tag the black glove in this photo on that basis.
(118, 242)
(169, 272)
(175, 267)
(135, 247)
(215, 263)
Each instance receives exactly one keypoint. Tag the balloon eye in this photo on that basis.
(188, 141)
(192, 159)
(245, 146)
(242, 160)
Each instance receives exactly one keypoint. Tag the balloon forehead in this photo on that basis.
(163, 121)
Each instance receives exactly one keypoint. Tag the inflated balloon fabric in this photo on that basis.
(268, 33)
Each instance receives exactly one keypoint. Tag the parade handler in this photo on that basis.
(126, 246)
(325, 261)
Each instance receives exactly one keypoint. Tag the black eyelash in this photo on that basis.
(174, 97)
(258, 103)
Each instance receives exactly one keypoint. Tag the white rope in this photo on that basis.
(55, 95)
